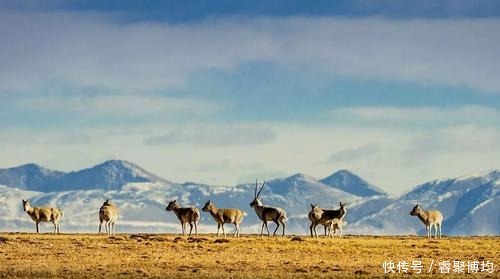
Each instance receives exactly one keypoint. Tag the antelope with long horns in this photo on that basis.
(268, 213)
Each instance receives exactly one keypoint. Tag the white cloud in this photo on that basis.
(39, 50)
(422, 116)
(222, 135)
(453, 142)
(116, 105)
(354, 154)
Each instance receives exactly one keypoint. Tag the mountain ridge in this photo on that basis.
(347, 181)
(469, 203)
(109, 175)
(29, 176)
(114, 174)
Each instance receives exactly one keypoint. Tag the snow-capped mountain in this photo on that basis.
(110, 175)
(470, 204)
(351, 183)
(29, 177)
(299, 188)
(142, 204)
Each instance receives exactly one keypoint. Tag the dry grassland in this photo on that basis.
(173, 256)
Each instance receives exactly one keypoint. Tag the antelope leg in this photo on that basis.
(277, 226)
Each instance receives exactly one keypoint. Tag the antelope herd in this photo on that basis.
(331, 219)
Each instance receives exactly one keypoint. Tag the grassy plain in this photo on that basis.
(172, 256)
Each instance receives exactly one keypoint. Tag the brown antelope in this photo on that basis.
(225, 215)
(268, 213)
(185, 215)
(108, 213)
(331, 218)
(430, 218)
(43, 214)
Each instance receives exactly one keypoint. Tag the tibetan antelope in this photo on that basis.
(333, 226)
(43, 214)
(430, 218)
(108, 213)
(330, 218)
(268, 213)
(225, 215)
(185, 215)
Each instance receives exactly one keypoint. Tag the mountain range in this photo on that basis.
(470, 203)
(110, 175)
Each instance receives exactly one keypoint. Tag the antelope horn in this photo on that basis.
(255, 192)
(263, 184)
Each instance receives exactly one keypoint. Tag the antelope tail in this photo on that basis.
(283, 216)
(197, 213)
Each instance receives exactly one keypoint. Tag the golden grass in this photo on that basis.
(173, 256)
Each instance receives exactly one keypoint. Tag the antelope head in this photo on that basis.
(343, 209)
(106, 203)
(416, 210)
(256, 200)
(209, 206)
(172, 205)
(26, 205)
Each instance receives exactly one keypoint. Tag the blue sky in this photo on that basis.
(224, 92)
(180, 11)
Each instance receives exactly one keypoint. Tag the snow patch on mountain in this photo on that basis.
(469, 203)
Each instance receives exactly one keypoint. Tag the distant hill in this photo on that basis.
(351, 183)
(29, 177)
(110, 175)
